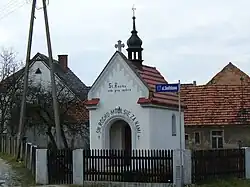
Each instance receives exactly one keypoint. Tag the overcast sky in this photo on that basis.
(185, 39)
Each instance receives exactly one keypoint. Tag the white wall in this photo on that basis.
(44, 77)
(161, 129)
(118, 71)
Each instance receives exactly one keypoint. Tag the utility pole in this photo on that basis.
(181, 151)
(25, 84)
(52, 76)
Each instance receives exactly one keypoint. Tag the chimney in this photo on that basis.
(194, 83)
(63, 61)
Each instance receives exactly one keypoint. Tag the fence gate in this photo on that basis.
(60, 166)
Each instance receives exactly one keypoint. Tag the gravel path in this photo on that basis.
(7, 174)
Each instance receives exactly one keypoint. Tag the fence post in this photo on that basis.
(187, 167)
(33, 165)
(78, 164)
(9, 143)
(15, 146)
(177, 168)
(41, 166)
(247, 162)
(5, 144)
(30, 156)
(23, 146)
(1, 143)
(25, 154)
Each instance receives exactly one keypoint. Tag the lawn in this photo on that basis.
(23, 175)
(228, 183)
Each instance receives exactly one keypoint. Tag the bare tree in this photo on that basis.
(73, 114)
(39, 111)
(9, 76)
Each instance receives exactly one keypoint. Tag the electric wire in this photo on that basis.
(11, 4)
(11, 7)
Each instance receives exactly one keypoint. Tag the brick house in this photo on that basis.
(217, 114)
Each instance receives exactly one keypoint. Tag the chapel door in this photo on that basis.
(128, 145)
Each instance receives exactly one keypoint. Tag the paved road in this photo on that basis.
(7, 174)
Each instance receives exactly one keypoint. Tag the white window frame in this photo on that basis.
(217, 136)
(199, 138)
(173, 125)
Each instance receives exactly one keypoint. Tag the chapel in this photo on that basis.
(125, 111)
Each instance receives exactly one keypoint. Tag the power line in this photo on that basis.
(14, 7)
(10, 4)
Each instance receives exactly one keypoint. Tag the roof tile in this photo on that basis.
(216, 104)
(152, 77)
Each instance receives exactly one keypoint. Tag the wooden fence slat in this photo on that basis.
(134, 166)
(217, 164)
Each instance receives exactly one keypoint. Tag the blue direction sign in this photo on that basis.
(167, 87)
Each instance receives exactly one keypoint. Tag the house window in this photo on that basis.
(186, 137)
(217, 139)
(38, 71)
(197, 138)
(173, 125)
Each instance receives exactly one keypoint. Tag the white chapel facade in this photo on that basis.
(125, 112)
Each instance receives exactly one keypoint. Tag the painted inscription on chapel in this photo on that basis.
(115, 87)
(119, 111)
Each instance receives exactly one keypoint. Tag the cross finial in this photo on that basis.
(119, 45)
(133, 9)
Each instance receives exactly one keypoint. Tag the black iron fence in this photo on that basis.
(60, 166)
(141, 166)
(217, 164)
(152, 166)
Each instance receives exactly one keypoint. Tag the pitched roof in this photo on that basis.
(229, 75)
(150, 76)
(68, 77)
(216, 104)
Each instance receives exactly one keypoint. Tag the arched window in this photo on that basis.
(173, 125)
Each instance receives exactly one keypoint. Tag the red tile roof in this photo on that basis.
(151, 76)
(216, 104)
(221, 101)
(92, 102)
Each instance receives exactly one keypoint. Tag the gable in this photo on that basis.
(117, 71)
(69, 79)
(230, 75)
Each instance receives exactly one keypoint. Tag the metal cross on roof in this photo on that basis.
(133, 9)
(119, 46)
